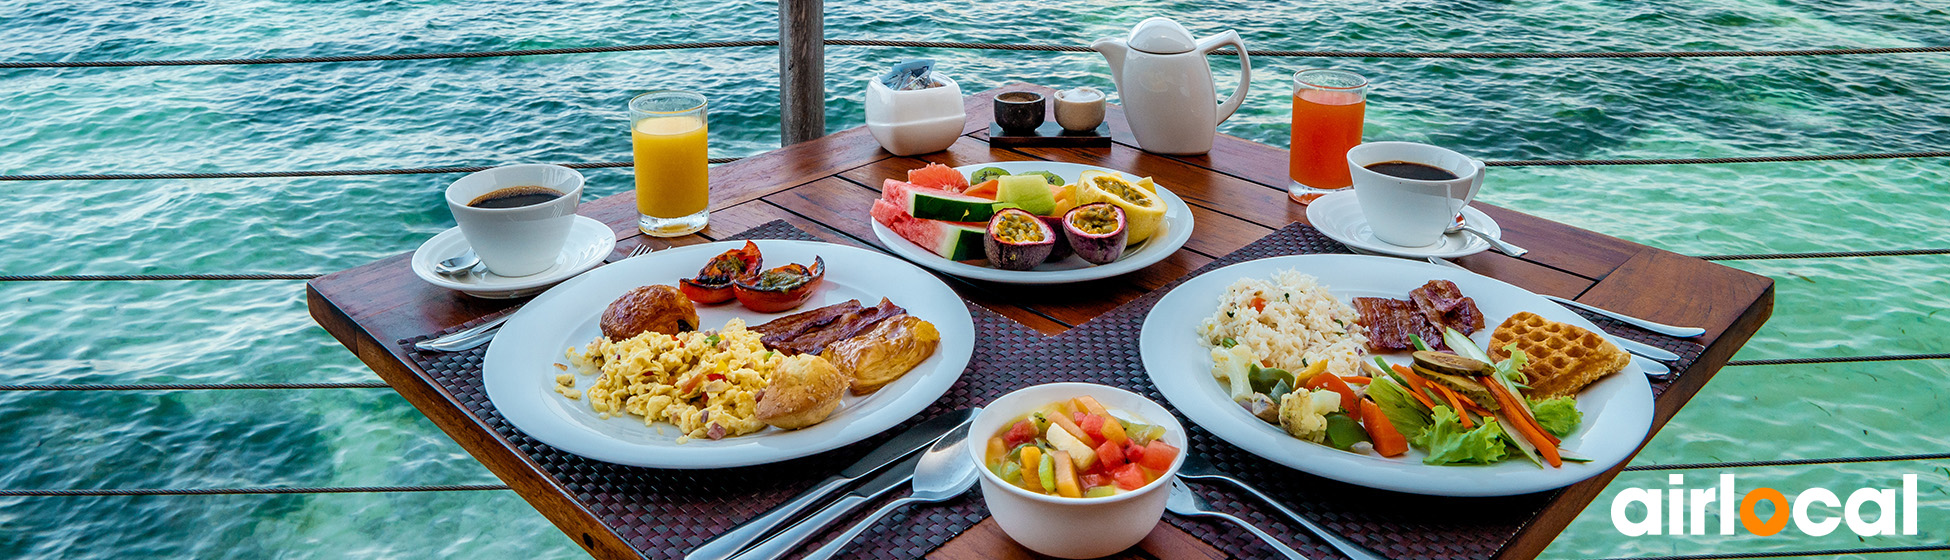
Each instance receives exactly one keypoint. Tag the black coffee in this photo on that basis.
(1411, 170)
(515, 197)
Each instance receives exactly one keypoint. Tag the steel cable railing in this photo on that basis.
(303, 173)
(1792, 553)
(1789, 462)
(191, 386)
(25, 65)
(617, 164)
(232, 491)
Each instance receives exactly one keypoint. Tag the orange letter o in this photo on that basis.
(1773, 524)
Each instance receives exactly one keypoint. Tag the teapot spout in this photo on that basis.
(1113, 51)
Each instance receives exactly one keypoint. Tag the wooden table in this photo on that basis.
(1237, 195)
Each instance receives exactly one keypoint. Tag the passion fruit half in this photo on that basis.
(1144, 210)
(1017, 240)
(1096, 231)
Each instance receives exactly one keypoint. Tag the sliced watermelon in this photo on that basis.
(959, 241)
(930, 203)
(938, 176)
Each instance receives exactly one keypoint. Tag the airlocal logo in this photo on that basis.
(1679, 502)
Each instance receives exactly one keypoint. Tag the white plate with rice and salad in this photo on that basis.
(1247, 352)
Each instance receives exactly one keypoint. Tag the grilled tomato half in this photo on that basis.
(780, 288)
(713, 284)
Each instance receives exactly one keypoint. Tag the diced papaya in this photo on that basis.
(1066, 477)
(1114, 431)
(997, 449)
(1089, 404)
(1032, 458)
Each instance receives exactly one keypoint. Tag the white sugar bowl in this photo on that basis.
(916, 121)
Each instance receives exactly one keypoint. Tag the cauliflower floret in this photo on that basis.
(1304, 414)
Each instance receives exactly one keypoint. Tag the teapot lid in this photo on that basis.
(1160, 35)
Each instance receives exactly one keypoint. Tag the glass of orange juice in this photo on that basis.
(1328, 107)
(673, 187)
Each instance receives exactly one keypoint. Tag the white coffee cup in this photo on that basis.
(522, 240)
(1411, 212)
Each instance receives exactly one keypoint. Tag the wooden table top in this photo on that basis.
(1237, 195)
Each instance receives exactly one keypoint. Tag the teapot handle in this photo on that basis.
(1230, 37)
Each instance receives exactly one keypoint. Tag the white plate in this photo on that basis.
(519, 371)
(1171, 235)
(1339, 216)
(1617, 410)
(589, 241)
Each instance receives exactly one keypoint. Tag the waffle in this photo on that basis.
(1562, 358)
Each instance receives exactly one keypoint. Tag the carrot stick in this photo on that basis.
(1357, 380)
(1523, 415)
(1529, 430)
(1415, 384)
(1387, 440)
(1455, 402)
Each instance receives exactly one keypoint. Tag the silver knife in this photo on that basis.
(790, 539)
(1634, 347)
(919, 437)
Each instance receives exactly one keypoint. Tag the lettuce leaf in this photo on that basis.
(1408, 415)
(1449, 443)
(1558, 415)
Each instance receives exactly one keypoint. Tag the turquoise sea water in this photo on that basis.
(570, 108)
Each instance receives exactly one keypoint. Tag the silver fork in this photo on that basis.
(1197, 468)
(484, 332)
(1184, 502)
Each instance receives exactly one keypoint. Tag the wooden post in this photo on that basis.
(802, 70)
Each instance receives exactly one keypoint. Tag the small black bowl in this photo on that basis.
(1019, 111)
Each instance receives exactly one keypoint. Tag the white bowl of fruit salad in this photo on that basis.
(1076, 470)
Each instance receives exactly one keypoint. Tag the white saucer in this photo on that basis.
(589, 241)
(1339, 216)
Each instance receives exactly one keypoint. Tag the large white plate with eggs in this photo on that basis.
(1617, 409)
(520, 369)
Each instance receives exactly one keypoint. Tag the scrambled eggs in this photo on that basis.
(707, 384)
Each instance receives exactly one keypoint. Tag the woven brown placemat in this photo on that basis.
(1402, 526)
(665, 513)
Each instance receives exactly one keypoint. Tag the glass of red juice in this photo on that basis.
(1328, 107)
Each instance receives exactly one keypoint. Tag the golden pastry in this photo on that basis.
(885, 353)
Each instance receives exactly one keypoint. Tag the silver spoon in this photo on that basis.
(1498, 244)
(944, 473)
(458, 265)
(1184, 502)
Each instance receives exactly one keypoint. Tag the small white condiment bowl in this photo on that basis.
(1073, 527)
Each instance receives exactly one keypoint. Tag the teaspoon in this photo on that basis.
(458, 265)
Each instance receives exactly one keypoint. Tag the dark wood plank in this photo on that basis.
(986, 541)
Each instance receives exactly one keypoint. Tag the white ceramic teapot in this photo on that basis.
(1166, 86)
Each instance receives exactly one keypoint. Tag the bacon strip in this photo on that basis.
(1429, 308)
(798, 324)
(1443, 304)
(813, 339)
